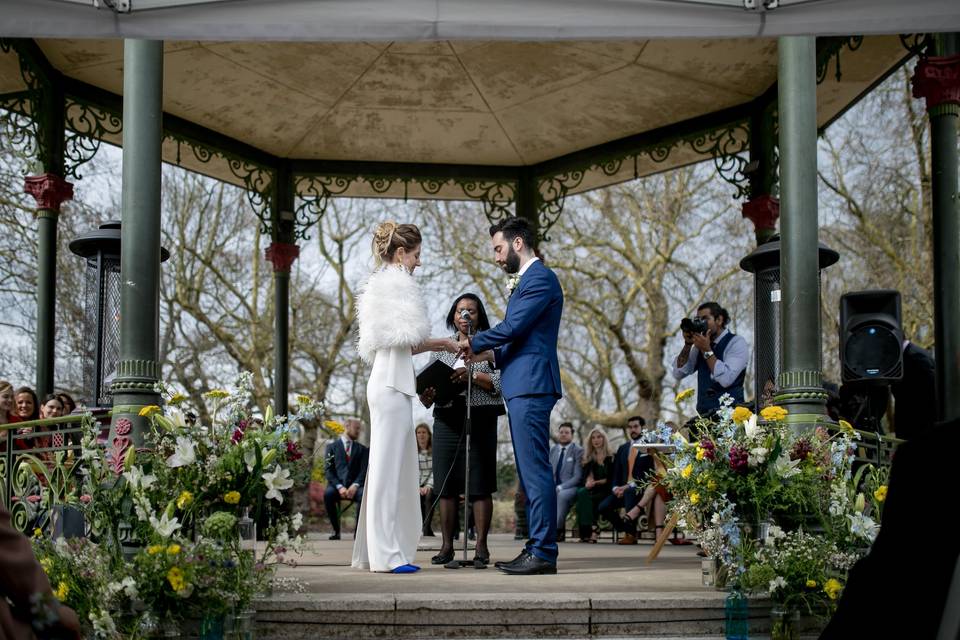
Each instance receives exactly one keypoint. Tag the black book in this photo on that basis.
(437, 375)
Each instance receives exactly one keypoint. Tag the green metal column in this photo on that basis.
(138, 369)
(801, 387)
(763, 207)
(937, 78)
(528, 199)
(49, 190)
(282, 252)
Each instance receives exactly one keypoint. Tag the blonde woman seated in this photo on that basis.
(598, 470)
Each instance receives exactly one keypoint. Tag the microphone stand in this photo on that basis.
(467, 429)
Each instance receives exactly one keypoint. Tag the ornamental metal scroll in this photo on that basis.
(725, 146)
(86, 127)
(833, 49)
(256, 179)
(497, 196)
(315, 193)
(919, 44)
(22, 127)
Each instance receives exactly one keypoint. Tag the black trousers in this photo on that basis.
(332, 499)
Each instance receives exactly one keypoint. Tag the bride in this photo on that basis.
(393, 327)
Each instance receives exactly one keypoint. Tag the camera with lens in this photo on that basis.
(694, 325)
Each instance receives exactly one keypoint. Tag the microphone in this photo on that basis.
(465, 315)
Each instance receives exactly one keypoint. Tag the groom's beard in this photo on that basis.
(512, 264)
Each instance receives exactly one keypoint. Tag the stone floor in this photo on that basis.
(601, 590)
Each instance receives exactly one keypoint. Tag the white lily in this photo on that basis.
(785, 467)
(164, 526)
(777, 583)
(250, 457)
(183, 453)
(863, 526)
(752, 428)
(758, 455)
(277, 480)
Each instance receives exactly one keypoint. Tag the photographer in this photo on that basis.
(718, 356)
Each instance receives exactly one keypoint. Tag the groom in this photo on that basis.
(524, 348)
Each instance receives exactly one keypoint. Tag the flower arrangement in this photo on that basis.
(172, 523)
(778, 507)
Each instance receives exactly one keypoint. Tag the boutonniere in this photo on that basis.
(512, 282)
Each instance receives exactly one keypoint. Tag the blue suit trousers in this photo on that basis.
(530, 430)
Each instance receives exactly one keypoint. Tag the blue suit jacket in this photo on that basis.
(525, 343)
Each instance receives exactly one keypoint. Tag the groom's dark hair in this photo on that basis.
(516, 227)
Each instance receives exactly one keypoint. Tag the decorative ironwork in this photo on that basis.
(833, 49)
(552, 192)
(497, 196)
(315, 193)
(87, 126)
(22, 126)
(919, 44)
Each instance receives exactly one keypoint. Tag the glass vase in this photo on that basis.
(736, 612)
(211, 627)
(239, 625)
(784, 623)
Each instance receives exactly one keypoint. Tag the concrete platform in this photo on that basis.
(601, 590)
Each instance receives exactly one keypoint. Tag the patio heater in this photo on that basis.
(764, 263)
(101, 249)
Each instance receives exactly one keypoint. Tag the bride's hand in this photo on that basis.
(451, 346)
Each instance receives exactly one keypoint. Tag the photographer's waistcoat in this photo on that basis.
(708, 390)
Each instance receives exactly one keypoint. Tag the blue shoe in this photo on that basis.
(406, 568)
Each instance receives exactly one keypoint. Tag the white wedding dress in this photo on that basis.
(392, 319)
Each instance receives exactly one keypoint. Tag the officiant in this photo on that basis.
(449, 441)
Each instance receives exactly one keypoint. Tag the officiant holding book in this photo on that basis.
(449, 441)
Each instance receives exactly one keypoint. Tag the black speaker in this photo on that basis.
(871, 337)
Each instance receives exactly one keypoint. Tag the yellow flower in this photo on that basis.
(741, 415)
(175, 578)
(154, 549)
(173, 549)
(846, 427)
(177, 398)
(694, 497)
(687, 471)
(811, 584)
(38, 533)
(773, 413)
(62, 590)
(231, 497)
(701, 453)
(832, 588)
(302, 399)
(335, 427)
(217, 394)
(47, 564)
(184, 500)
(683, 395)
(712, 485)
(149, 410)
(881, 493)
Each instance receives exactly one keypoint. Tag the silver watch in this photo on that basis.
(708, 355)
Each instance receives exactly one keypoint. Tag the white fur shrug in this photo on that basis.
(390, 312)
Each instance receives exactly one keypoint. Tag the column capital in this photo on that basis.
(937, 80)
(763, 211)
(282, 255)
(49, 190)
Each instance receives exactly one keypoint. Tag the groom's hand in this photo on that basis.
(466, 352)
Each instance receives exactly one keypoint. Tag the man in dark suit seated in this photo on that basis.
(345, 467)
(624, 492)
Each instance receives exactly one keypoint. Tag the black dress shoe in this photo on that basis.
(503, 563)
(481, 558)
(334, 536)
(529, 565)
(442, 558)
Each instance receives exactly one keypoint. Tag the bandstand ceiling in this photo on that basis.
(495, 103)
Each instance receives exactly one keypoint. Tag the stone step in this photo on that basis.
(490, 615)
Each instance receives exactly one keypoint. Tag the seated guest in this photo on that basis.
(69, 406)
(655, 495)
(597, 469)
(425, 455)
(28, 408)
(623, 492)
(346, 471)
(567, 473)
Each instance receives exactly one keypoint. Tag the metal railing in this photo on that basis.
(39, 465)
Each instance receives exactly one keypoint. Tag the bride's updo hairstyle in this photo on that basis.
(390, 236)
